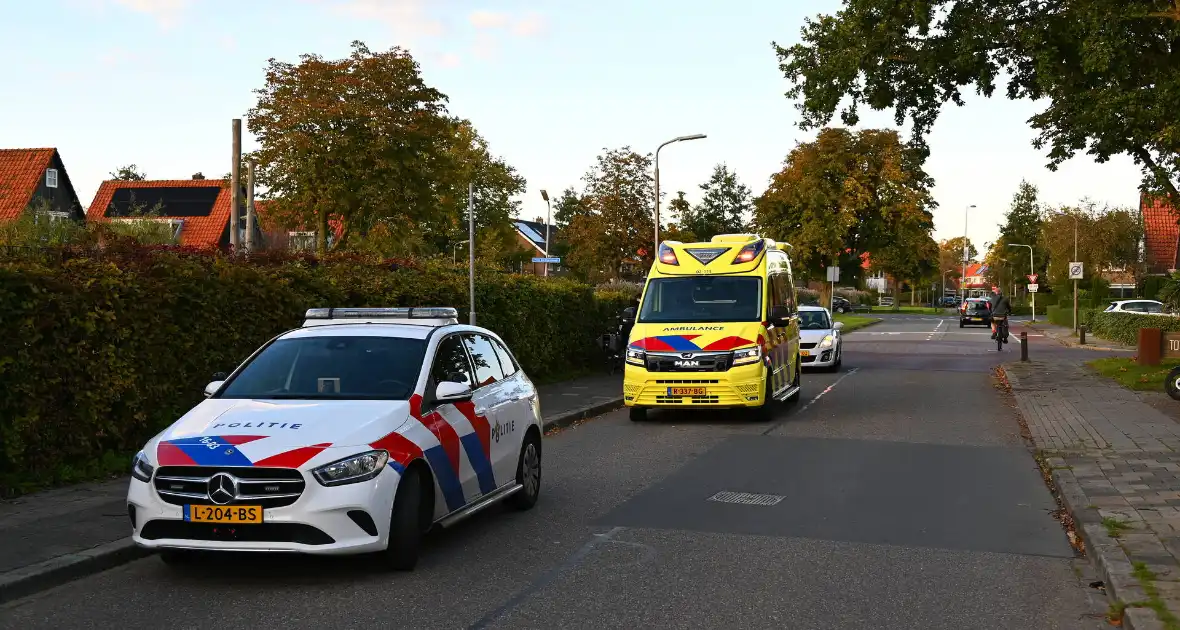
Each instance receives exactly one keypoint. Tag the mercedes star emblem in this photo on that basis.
(222, 489)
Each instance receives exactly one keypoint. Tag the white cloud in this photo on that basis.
(485, 46)
(407, 18)
(166, 12)
(487, 19)
(532, 24)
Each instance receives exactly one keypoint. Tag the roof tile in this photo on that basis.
(20, 174)
(1161, 234)
(203, 231)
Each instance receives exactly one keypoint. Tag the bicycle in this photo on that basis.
(1001, 322)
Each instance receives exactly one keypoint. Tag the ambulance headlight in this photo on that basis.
(635, 356)
(746, 356)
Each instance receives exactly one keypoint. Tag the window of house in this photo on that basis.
(51, 178)
(301, 241)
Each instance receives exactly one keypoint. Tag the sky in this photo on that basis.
(549, 83)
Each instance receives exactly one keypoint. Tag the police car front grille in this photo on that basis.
(265, 487)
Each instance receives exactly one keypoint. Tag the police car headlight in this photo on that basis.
(827, 341)
(140, 468)
(747, 355)
(636, 357)
(353, 469)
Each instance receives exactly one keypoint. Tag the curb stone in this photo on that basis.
(57, 571)
(62, 569)
(1069, 343)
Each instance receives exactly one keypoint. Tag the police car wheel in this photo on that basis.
(528, 473)
(638, 414)
(405, 523)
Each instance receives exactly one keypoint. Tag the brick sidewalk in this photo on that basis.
(1116, 463)
(60, 534)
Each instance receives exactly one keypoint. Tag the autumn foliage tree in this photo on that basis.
(365, 141)
(1106, 70)
(848, 193)
(615, 220)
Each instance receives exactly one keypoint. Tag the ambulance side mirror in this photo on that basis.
(629, 314)
(779, 315)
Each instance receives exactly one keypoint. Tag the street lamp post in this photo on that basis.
(1031, 272)
(963, 279)
(548, 220)
(656, 215)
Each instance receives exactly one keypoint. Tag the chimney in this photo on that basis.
(540, 220)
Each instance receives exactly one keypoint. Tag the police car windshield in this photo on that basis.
(331, 368)
(702, 299)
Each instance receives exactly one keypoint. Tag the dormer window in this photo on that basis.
(51, 178)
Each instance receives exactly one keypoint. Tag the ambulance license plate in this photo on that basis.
(686, 391)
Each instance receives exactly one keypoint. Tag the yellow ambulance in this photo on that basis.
(717, 327)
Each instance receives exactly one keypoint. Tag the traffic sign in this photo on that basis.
(1032, 278)
(1075, 271)
(547, 260)
(1032, 288)
(833, 274)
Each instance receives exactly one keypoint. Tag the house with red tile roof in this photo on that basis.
(1161, 235)
(197, 209)
(298, 237)
(32, 176)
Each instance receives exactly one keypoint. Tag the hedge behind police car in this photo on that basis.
(353, 434)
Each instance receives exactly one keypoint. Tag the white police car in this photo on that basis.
(355, 433)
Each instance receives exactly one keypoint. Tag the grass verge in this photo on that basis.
(853, 322)
(1131, 375)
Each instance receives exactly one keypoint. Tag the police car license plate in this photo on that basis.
(228, 514)
(686, 391)
(805, 353)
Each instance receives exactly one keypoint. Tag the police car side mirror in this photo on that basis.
(838, 326)
(212, 388)
(450, 391)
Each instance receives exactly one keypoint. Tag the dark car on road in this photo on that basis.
(975, 311)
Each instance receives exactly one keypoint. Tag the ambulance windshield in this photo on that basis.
(702, 299)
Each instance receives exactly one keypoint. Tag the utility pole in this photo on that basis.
(655, 253)
(251, 219)
(1075, 282)
(963, 278)
(235, 184)
(471, 251)
(548, 219)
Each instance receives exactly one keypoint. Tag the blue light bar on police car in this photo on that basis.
(414, 312)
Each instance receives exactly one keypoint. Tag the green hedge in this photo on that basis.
(1124, 327)
(100, 353)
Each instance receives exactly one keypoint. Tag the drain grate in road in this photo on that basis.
(745, 498)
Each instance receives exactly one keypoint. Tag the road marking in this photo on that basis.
(935, 331)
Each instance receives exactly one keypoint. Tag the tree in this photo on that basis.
(724, 207)
(950, 257)
(680, 213)
(359, 139)
(1106, 68)
(1106, 237)
(129, 173)
(617, 220)
(566, 207)
(1022, 225)
(846, 194)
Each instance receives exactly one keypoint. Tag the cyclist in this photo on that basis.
(1000, 307)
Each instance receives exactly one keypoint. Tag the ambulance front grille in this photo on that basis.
(265, 487)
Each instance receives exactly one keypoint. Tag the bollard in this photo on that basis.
(1023, 346)
(1082, 335)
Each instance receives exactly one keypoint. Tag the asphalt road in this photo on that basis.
(895, 494)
